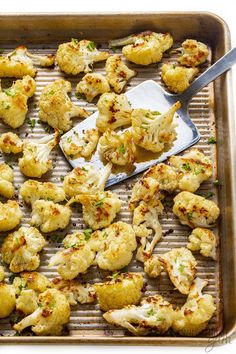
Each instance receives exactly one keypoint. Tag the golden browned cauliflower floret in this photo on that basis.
(7, 299)
(114, 111)
(77, 256)
(56, 108)
(203, 240)
(153, 267)
(35, 161)
(195, 314)
(32, 190)
(154, 315)
(143, 190)
(13, 101)
(10, 215)
(165, 175)
(20, 249)
(31, 280)
(78, 56)
(177, 78)
(117, 148)
(147, 227)
(20, 63)
(180, 265)
(193, 53)
(86, 179)
(27, 302)
(119, 290)
(118, 74)
(77, 145)
(6, 181)
(195, 211)
(10, 143)
(50, 216)
(50, 316)
(152, 130)
(92, 85)
(193, 168)
(144, 48)
(2, 274)
(75, 292)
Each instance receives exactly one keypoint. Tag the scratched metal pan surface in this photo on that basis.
(211, 112)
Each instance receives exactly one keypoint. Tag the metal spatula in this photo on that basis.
(150, 95)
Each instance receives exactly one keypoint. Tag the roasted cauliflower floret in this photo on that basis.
(35, 161)
(76, 258)
(194, 53)
(153, 267)
(2, 274)
(165, 175)
(119, 290)
(143, 190)
(152, 130)
(78, 56)
(31, 281)
(93, 85)
(10, 215)
(177, 78)
(75, 292)
(20, 63)
(193, 168)
(48, 319)
(77, 145)
(32, 190)
(180, 265)
(27, 302)
(56, 108)
(10, 143)
(114, 111)
(7, 299)
(99, 209)
(20, 249)
(195, 211)
(147, 227)
(6, 181)
(86, 179)
(203, 240)
(13, 101)
(118, 74)
(114, 245)
(117, 148)
(154, 315)
(195, 314)
(50, 216)
(144, 48)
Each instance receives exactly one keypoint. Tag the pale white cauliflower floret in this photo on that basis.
(7, 299)
(19, 63)
(20, 249)
(6, 181)
(56, 108)
(35, 161)
(10, 215)
(144, 48)
(114, 111)
(13, 101)
(80, 145)
(32, 190)
(118, 74)
(119, 290)
(195, 211)
(195, 314)
(50, 216)
(152, 130)
(154, 315)
(193, 168)
(92, 85)
(48, 319)
(10, 143)
(165, 175)
(143, 190)
(86, 179)
(193, 53)
(177, 78)
(203, 240)
(117, 148)
(153, 267)
(180, 265)
(78, 56)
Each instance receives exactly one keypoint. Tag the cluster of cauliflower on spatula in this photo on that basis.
(106, 242)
